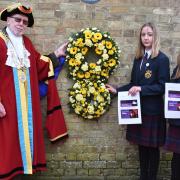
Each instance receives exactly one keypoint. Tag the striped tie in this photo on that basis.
(144, 59)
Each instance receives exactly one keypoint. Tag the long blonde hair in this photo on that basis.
(178, 68)
(155, 44)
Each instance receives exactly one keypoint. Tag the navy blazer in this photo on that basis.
(174, 121)
(154, 73)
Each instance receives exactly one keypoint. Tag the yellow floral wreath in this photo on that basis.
(89, 99)
(89, 96)
(92, 39)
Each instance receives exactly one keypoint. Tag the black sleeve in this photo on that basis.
(54, 59)
(174, 72)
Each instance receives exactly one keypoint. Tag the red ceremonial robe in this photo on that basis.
(10, 154)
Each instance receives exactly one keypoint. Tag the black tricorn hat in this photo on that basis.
(18, 8)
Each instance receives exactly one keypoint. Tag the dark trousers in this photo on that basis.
(149, 162)
(175, 167)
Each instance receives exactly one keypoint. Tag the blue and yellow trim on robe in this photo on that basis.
(25, 119)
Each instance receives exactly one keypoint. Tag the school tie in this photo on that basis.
(144, 59)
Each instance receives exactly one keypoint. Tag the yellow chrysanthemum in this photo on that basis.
(73, 50)
(94, 40)
(80, 75)
(104, 73)
(92, 65)
(83, 85)
(103, 42)
(83, 100)
(83, 91)
(114, 48)
(87, 75)
(77, 62)
(110, 52)
(98, 51)
(95, 85)
(71, 93)
(72, 62)
(108, 45)
(79, 42)
(112, 62)
(98, 36)
(92, 72)
(105, 64)
(84, 50)
(98, 112)
(88, 34)
(101, 89)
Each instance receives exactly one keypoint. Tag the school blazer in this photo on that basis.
(154, 73)
(175, 122)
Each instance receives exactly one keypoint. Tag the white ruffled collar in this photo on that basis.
(18, 55)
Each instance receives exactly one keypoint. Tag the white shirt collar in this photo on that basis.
(149, 52)
(18, 55)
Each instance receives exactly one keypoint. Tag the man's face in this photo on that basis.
(17, 23)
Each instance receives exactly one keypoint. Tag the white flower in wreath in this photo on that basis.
(100, 98)
(90, 109)
(95, 103)
(91, 89)
(84, 67)
(79, 97)
(78, 56)
(105, 51)
(76, 86)
(99, 61)
(100, 46)
(98, 68)
(71, 99)
(105, 56)
(70, 39)
(78, 109)
(89, 116)
(88, 42)
(102, 85)
(94, 28)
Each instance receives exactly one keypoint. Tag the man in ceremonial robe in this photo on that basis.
(21, 68)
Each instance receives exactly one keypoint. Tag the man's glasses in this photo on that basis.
(25, 22)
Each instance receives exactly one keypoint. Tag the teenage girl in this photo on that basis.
(149, 74)
(173, 134)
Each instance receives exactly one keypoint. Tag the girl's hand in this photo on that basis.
(134, 90)
(111, 89)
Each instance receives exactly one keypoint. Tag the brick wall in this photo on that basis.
(98, 150)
